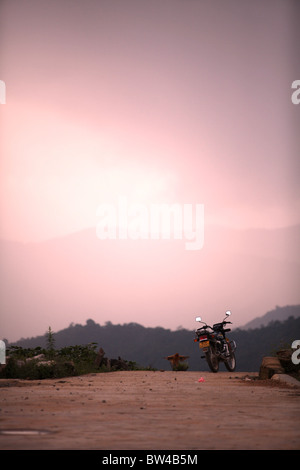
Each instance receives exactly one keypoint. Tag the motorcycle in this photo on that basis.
(215, 345)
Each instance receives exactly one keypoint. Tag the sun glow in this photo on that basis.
(140, 186)
(64, 182)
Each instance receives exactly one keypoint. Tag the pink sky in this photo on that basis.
(189, 99)
(158, 101)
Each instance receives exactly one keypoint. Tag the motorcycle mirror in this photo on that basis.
(198, 318)
(228, 313)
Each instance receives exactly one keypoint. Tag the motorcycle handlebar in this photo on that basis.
(208, 326)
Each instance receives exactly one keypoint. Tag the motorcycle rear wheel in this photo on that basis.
(212, 360)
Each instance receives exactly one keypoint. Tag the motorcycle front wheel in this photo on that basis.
(212, 360)
(230, 364)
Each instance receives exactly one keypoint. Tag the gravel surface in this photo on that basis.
(149, 410)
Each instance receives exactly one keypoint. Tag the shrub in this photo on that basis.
(69, 361)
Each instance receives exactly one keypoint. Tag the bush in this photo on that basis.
(23, 363)
(69, 361)
(35, 370)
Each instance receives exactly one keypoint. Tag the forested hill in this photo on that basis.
(279, 313)
(150, 346)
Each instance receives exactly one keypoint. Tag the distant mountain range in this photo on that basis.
(149, 282)
(279, 314)
(150, 346)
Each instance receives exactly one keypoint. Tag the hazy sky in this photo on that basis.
(154, 101)
(157, 100)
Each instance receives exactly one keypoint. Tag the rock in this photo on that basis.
(285, 358)
(100, 357)
(288, 379)
(101, 360)
(269, 367)
(39, 357)
(118, 364)
(110, 364)
(46, 363)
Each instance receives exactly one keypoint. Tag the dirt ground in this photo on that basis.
(149, 410)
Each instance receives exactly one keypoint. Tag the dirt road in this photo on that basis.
(149, 410)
